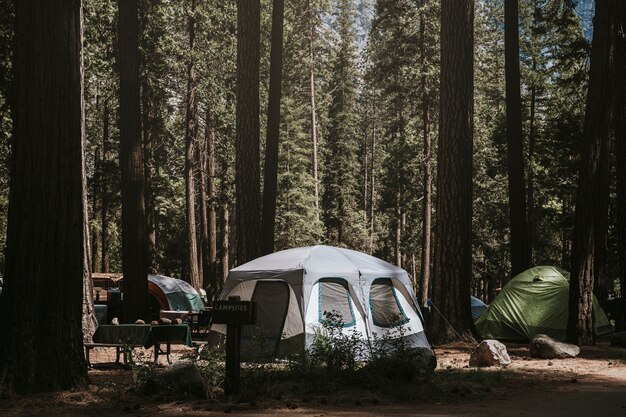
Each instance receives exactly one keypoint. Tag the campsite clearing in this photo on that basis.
(592, 384)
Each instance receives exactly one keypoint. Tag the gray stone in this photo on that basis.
(489, 353)
(181, 377)
(544, 347)
(619, 339)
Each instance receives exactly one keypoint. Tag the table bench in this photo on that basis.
(119, 350)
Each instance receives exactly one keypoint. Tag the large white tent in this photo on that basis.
(295, 289)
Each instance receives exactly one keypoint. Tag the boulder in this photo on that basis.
(544, 347)
(178, 320)
(619, 339)
(489, 353)
(181, 377)
(164, 320)
(139, 321)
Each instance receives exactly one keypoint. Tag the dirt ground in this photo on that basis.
(594, 384)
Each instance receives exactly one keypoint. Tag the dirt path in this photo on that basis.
(593, 384)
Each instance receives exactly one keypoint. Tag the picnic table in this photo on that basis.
(123, 337)
(167, 334)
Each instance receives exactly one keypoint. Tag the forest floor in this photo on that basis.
(594, 384)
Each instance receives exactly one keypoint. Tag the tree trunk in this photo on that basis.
(398, 231)
(427, 181)
(620, 139)
(313, 107)
(149, 136)
(530, 198)
(372, 180)
(520, 253)
(42, 349)
(190, 145)
(453, 248)
(201, 162)
(273, 130)
(212, 190)
(247, 184)
(134, 238)
(588, 256)
(96, 202)
(225, 247)
(105, 200)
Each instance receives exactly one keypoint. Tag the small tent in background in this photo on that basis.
(533, 302)
(478, 307)
(295, 289)
(174, 294)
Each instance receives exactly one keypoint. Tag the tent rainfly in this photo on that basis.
(295, 289)
(174, 294)
(534, 302)
(478, 307)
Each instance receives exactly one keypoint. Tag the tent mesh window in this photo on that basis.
(335, 303)
(385, 306)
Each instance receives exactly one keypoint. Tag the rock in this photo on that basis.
(489, 353)
(165, 321)
(544, 347)
(154, 322)
(182, 377)
(619, 339)
(139, 321)
(115, 321)
(178, 320)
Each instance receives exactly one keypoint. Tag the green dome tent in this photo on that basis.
(533, 302)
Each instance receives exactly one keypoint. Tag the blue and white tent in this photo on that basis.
(295, 289)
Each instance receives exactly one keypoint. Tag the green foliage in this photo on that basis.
(375, 66)
(401, 80)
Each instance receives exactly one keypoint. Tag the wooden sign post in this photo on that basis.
(234, 314)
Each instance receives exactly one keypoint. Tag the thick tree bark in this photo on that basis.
(427, 180)
(270, 186)
(190, 149)
(588, 254)
(619, 112)
(247, 144)
(134, 238)
(453, 248)
(520, 249)
(47, 234)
